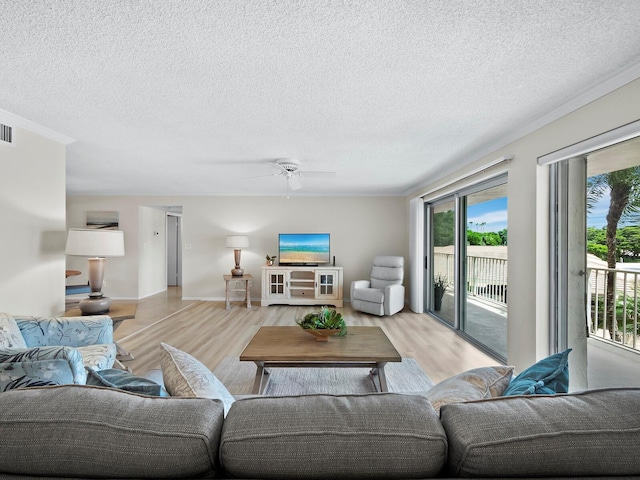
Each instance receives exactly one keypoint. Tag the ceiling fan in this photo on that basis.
(289, 168)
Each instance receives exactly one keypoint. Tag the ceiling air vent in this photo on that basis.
(6, 133)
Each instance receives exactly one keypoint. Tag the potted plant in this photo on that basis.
(323, 324)
(271, 259)
(439, 287)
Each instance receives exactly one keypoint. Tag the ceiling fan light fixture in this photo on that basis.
(290, 165)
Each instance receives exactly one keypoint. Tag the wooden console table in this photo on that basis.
(246, 279)
(119, 312)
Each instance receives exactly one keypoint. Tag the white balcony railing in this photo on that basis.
(625, 306)
(486, 277)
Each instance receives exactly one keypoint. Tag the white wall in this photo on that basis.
(528, 211)
(33, 235)
(360, 228)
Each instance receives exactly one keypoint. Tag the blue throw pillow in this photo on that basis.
(123, 380)
(547, 377)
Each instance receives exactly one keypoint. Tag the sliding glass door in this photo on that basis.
(485, 303)
(466, 264)
(443, 272)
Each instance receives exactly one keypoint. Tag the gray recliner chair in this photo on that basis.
(383, 294)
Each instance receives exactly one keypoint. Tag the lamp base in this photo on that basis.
(237, 272)
(95, 305)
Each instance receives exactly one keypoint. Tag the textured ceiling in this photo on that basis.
(190, 97)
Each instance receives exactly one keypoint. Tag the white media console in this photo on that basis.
(288, 285)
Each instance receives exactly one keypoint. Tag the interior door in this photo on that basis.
(174, 270)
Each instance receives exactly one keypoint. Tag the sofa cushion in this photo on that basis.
(323, 436)
(10, 335)
(585, 434)
(55, 371)
(476, 384)
(94, 432)
(185, 376)
(548, 376)
(69, 354)
(116, 378)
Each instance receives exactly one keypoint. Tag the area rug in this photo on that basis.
(402, 377)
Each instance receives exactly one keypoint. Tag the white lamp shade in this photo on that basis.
(237, 241)
(95, 243)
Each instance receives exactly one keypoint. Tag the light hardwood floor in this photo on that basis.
(209, 332)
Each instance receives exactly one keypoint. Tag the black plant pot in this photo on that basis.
(438, 293)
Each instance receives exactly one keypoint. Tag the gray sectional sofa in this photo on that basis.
(75, 431)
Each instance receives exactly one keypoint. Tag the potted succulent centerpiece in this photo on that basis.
(439, 287)
(323, 324)
(271, 259)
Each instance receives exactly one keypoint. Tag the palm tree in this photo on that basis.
(624, 190)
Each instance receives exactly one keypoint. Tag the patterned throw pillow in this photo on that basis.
(10, 335)
(476, 384)
(185, 376)
(69, 355)
(55, 371)
(98, 357)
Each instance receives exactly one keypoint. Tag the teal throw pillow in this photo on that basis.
(123, 380)
(547, 377)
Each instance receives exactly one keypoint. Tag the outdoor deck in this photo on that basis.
(486, 321)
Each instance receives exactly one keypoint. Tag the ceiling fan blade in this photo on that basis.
(280, 168)
(262, 176)
(308, 173)
(294, 182)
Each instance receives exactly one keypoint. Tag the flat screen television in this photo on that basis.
(304, 248)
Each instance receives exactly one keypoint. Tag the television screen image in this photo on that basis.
(304, 248)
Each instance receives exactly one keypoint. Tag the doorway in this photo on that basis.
(595, 201)
(174, 250)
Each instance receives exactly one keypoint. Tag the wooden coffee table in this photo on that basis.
(366, 347)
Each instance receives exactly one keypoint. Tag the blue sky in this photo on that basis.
(493, 213)
(597, 217)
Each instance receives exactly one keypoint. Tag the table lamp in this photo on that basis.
(95, 244)
(237, 242)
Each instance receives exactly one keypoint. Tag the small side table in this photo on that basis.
(246, 279)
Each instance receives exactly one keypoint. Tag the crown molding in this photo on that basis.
(14, 120)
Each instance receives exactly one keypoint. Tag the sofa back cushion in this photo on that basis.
(68, 331)
(94, 432)
(324, 436)
(593, 433)
(387, 270)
